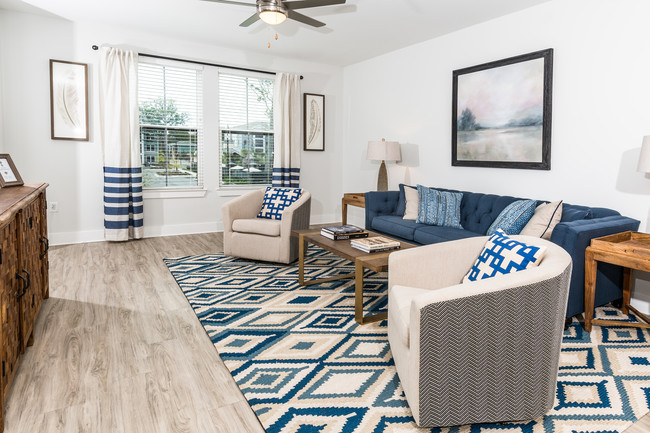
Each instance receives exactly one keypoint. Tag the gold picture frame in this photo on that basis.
(9, 175)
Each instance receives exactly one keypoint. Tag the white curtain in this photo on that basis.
(120, 135)
(286, 141)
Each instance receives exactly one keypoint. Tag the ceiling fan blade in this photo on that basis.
(302, 4)
(304, 19)
(233, 3)
(253, 18)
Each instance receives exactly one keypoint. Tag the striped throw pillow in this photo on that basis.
(439, 208)
(514, 217)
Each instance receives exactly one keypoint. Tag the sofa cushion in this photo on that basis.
(478, 211)
(396, 226)
(503, 255)
(434, 234)
(276, 200)
(440, 208)
(514, 217)
(258, 226)
(572, 212)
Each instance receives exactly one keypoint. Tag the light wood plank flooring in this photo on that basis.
(118, 349)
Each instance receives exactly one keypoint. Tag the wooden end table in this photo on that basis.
(628, 249)
(352, 199)
(377, 262)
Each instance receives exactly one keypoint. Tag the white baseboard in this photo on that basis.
(66, 238)
(181, 229)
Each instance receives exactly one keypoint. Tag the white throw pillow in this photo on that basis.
(544, 220)
(412, 203)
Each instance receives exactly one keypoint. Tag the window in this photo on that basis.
(171, 129)
(246, 130)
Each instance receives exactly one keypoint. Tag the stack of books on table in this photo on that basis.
(343, 232)
(375, 244)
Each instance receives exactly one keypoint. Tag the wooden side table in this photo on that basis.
(631, 250)
(352, 199)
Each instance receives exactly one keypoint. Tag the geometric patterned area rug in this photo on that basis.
(305, 366)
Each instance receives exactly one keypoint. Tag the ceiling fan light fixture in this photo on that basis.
(273, 17)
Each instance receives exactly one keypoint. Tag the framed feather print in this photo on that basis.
(69, 100)
(314, 121)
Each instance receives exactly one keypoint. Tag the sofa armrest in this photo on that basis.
(575, 237)
(380, 203)
(245, 206)
(434, 266)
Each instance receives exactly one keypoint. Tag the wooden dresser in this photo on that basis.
(24, 278)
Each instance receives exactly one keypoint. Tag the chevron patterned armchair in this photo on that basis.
(484, 351)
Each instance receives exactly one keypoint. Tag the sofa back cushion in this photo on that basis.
(478, 211)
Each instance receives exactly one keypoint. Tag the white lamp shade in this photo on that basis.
(644, 156)
(384, 151)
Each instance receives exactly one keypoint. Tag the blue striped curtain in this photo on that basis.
(120, 132)
(286, 131)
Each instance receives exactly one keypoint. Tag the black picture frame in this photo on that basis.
(474, 137)
(68, 80)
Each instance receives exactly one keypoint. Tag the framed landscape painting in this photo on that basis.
(501, 113)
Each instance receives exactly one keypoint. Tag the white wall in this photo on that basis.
(74, 169)
(600, 109)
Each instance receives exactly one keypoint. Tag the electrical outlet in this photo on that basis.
(53, 206)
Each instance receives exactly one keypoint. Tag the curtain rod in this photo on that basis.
(95, 47)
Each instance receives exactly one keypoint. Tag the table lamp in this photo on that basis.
(385, 151)
(644, 156)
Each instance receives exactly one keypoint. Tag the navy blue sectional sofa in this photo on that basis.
(579, 224)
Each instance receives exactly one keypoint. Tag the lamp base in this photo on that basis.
(382, 178)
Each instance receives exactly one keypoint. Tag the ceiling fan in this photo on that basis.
(276, 11)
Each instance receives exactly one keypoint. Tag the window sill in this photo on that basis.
(174, 193)
(236, 192)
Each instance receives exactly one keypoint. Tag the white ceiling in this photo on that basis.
(356, 31)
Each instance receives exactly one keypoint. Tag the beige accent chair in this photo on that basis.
(245, 235)
(485, 351)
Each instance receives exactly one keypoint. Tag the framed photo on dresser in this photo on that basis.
(9, 176)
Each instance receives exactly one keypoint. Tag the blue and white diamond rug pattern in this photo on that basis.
(305, 366)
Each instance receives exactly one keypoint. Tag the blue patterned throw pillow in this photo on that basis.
(514, 217)
(503, 255)
(276, 200)
(439, 208)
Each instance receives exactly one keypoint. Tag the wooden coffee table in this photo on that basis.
(377, 262)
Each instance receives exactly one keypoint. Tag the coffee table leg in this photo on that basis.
(358, 291)
(358, 297)
(301, 259)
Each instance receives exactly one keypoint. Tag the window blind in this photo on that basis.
(171, 124)
(246, 130)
